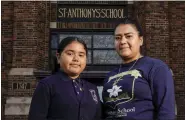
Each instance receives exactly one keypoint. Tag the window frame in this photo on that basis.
(91, 66)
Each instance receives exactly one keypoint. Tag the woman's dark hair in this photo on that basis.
(64, 42)
(133, 21)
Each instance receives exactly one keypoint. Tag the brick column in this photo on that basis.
(157, 30)
(6, 48)
(177, 53)
(43, 20)
(30, 52)
(25, 35)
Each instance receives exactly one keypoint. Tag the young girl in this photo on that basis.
(64, 95)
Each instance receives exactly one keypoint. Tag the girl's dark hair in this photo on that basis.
(68, 40)
(131, 20)
(64, 42)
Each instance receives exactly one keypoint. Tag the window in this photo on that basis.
(100, 46)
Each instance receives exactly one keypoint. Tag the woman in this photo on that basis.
(142, 87)
(64, 95)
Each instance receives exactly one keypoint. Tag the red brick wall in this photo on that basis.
(25, 41)
(6, 48)
(25, 33)
(43, 19)
(26, 26)
(157, 30)
(177, 52)
(6, 38)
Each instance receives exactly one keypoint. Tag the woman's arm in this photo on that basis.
(163, 93)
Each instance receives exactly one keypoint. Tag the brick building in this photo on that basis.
(31, 31)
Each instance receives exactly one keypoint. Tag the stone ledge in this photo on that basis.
(21, 71)
(18, 100)
(17, 105)
(17, 109)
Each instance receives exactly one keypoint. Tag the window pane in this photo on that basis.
(53, 53)
(54, 41)
(89, 57)
(103, 41)
(53, 61)
(86, 38)
(106, 57)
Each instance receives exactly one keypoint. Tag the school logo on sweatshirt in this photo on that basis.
(119, 94)
(94, 96)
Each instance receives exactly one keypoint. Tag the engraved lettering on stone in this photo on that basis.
(21, 85)
(90, 13)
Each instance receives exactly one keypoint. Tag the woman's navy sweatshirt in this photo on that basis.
(146, 92)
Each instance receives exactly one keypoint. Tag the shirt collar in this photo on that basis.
(65, 77)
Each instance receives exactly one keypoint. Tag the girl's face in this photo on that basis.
(127, 41)
(73, 59)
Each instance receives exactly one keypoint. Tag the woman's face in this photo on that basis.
(73, 59)
(127, 41)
